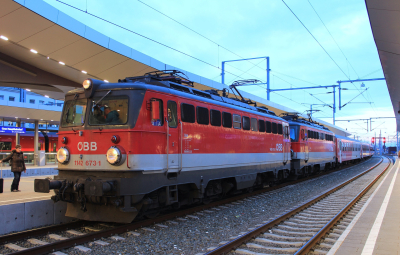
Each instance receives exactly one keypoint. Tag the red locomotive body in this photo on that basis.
(149, 143)
(312, 146)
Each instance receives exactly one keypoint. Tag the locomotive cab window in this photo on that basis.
(202, 115)
(294, 134)
(110, 110)
(172, 114)
(268, 126)
(187, 113)
(254, 126)
(215, 117)
(246, 123)
(226, 119)
(74, 113)
(274, 128)
(237, 122)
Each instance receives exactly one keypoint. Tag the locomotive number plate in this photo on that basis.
(87, 163)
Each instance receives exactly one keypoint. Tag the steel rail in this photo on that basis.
(318, 236)
(42, 231)
(132, 226)
(234, 244)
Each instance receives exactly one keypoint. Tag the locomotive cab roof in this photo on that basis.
(170, 79)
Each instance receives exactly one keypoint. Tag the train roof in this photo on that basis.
(348, 138)
(209, 96)
(295, 119)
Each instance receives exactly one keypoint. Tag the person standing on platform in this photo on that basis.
(17, 166)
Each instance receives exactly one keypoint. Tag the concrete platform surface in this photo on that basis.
(5, 170)
(27, 193)
(376, 228)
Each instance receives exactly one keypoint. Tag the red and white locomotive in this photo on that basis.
(152, 142)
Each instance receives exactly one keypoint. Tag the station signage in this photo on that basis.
(13, 130)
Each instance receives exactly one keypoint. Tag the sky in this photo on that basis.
(197, 35)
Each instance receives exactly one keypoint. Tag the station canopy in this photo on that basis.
(384, 16)
(50, 53)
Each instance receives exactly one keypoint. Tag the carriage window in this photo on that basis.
(74, 113)
(187, 113)
(280, 129)
(202, 115)
(215, 117)
(274, 128)
(268, 126)
(246, 123)
(226, 119)
(261, 124)
(254, 126)
(237, 123)
(6, 146)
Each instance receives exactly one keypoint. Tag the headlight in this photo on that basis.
(114, 155)
(63, 155)
(86, 84)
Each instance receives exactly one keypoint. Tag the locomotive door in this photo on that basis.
(172, 137)
(304, 142)
(286, 144)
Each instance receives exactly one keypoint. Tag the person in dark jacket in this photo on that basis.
(17, 166)
(112, 117)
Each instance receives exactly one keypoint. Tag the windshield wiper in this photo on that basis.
(95, 104)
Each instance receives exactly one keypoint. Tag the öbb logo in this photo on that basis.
(86, 146)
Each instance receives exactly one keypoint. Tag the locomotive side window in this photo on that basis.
(202, 115)
(187, 113)
(274, 128)
(254, 126)
(294, 134)
(261, 124)
(280, 129)
(226, 119)
(268, 126)
(110, 110)
(309, 133)
(74, 113)
(157, 112)
(246, 123)
(237, 122)
(172, 114)
(215, 117)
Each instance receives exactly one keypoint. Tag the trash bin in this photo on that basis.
(42, 158)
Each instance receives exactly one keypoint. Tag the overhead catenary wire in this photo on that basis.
(333, 39)
(143, 36)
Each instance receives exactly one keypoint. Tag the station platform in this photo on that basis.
(376, 228)
(27, 209)
(27, 193)
(5, 170)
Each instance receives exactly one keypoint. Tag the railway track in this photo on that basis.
(301, 229)
(53, 238)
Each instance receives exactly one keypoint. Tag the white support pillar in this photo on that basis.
(36, 143)
(17, 135)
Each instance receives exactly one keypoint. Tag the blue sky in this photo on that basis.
(255, 29)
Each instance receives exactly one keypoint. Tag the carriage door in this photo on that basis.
(172, 137)
(339, 149)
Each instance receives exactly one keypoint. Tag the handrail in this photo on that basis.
(181, 163)
(166, 121)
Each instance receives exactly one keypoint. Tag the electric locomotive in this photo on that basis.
(153, 142)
